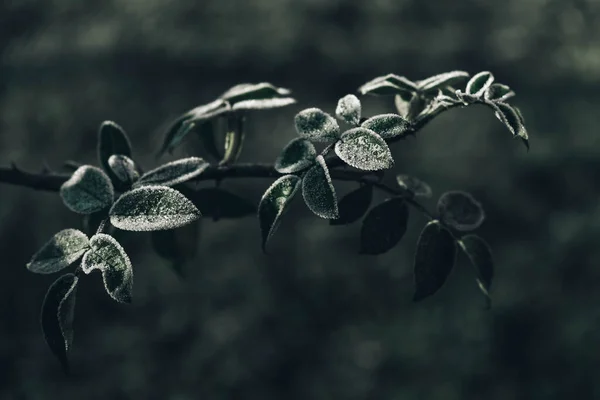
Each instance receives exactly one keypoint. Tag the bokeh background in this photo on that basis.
(313, 320)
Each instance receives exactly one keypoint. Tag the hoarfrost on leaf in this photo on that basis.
(112, 139)
(88, 190)
(434, 259)
(364, 149)
(480, 255)
(512, 119)
(297, 155)
(263, 104)
(460, 210)
(498, 92)
(174, 172)
(414, 185)
(479, 83)
(274, 203)
(384, 226)
(387, 125)
(354, 205)
(253, 91)
(151, 208)
(318, 191)
(316, 125)
(58, 309)
(402, 106)
(435, 82)
(108, 256)
(62, 250)
(349, 109)
(124, 168)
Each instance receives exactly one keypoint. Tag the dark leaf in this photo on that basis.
(480, 254)
(88, 190)
(414, 185)
(109, 257)
(112, 139)
(387, 125)
(218, 203)
(498, 92)
(460, 210)
(348, 109)
(434, 259)
(123, 168)
(174, 172)
(234, 139)
(274, 203)
(318, 191)
(364, 149)
(297, 155)
(384, 226)
(479, 83)
(151, 208)
(354, 205)
(57, 317)
(65, 247)
(512, 119)
(316, 125)
(207, 132)
(177, 245)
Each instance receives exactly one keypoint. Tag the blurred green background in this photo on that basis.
(313, 320)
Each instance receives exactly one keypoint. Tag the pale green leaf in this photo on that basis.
(124, 168)
(174, 172)
(316, 125)
(62, 250)
(349, 109)
(88, 190)
(364, 149)
(387, 125)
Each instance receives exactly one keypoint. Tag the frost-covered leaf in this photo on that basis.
(434, 259)
(187, 122)
(177, 246)
(479, 83)
(435, 82)
(348, 109)
(297, 155)
(460, 210)
(318, 191)
(108, 256)
(124, 168)
(263, 104)
(174, 172)
(402, 105)
(384, 226)
(152, 208)
(274, 203)
(389, 84)
(57, 315)
(65, 247)
(480, 255)
(512, 119)
(414, 185)
(112, 139)
(88, 190)
(364, 149)
(498, 92)
(218, 203)
(316, 125)
(387, 125)
(253, 91)
(354, 205)
(234, 139)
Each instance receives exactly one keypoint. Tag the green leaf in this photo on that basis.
(348, 109)
(387, 125)
(480, 255)
(384, 226)
(364, 149)
(479, 83)
(316, 125)
(174, 172)
(440, 81)
(274, 203)
(354, 205)
(511, 118)
(177, 245)
(402, 105)
(253, 91)
(152, 208)
(460, 210)
(88, 190)
(297, 155)
(434, 259)
(57, 315)
(218, 203)
(207, 131)
(112, 139)
(186, 123)
(234, 139)
(123, 168)
(318, 191)
(498, 92)
(109, 257)
(389, 84)
(263, 104)
(65, 247)
(414, 185)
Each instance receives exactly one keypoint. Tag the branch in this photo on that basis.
(52, 181)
